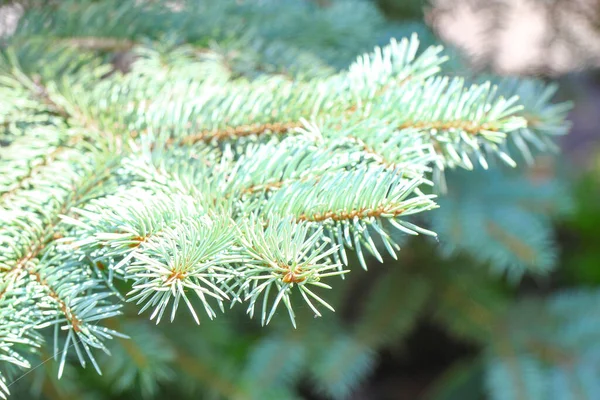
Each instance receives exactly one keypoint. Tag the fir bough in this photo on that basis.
(241, 159)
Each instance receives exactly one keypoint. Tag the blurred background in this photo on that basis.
(441, 323)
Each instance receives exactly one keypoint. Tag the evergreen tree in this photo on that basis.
(176, 161)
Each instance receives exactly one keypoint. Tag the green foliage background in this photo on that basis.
(521, 305)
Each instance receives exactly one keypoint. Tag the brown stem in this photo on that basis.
(238, 132)
(100, 43)
(348, 215)
(470, 127)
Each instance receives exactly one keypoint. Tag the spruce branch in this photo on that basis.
(192, 256)
(64, 294)
(283, 255)
(231, 164)
(341, 203)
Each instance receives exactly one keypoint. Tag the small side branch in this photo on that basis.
(237, 132)
(349, 215)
